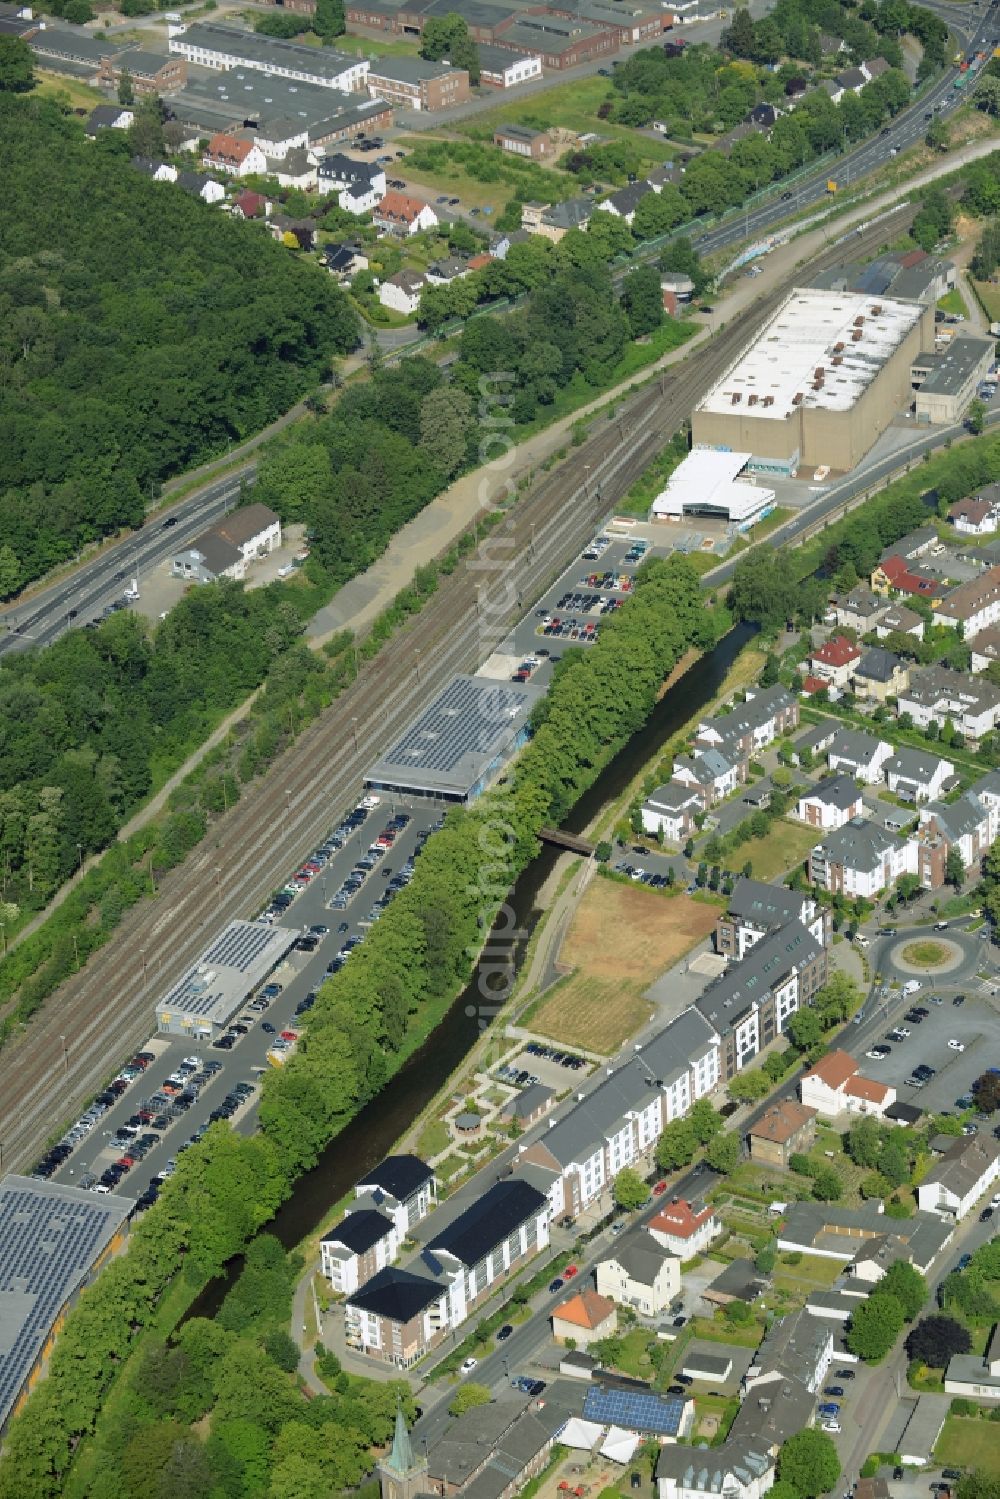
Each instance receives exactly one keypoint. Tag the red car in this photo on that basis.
(659, 1189)
(289, 1035)
(125, 1163)
(570, 1271)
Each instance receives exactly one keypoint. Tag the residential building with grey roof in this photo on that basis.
(861, 859)
(735, 1470)
(859, 755)
(755, 910)
(752, 1002)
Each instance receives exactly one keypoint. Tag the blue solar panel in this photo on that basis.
(635, 1410)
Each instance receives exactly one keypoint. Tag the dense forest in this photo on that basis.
(138, 332)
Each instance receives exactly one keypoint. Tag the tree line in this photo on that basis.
(129, 346)
(228, 1186)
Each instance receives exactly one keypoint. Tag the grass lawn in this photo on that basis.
(785, 846)
(78, 95)
(434, 1138)
(372, 46)
(989, 295)
(453, 177)
(621, 939)
(572, 106)
(814, 1273)
(925, 954)
(969, 1443)
(740, 1334)
(634, 1359)
(954, 302)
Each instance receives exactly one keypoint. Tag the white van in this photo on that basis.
(911, 986)
(861, 939)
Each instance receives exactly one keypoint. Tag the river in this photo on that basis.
(374, 1131)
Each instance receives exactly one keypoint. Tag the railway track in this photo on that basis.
(105, 1010)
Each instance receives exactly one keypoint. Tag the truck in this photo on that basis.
(831, 186)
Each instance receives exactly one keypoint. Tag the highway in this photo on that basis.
(81, 596)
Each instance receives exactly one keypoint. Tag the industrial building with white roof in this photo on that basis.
(819, 383)
(709, 484)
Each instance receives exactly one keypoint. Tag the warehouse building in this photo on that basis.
(282, 115)
(458, 746)
(53, 1240)
(946, 381)
(820, 382)
(210, 994)
(414, 83)
(222, 48)
(714, 485)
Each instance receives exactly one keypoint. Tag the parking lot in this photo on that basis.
(975, 1025)
(553, 1066)
(570, 612)
(299, 976)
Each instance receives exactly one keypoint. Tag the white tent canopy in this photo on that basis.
(619, 1445)
(580, 1433)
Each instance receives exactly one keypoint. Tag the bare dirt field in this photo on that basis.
(621, 939)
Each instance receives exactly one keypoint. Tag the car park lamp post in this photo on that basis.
(65, 1051)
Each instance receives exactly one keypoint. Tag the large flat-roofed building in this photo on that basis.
(820, 382)
(708, 484)
(282, 115)
(224, 47)
(53, 1238)
(945, 382)
(500, 68)
(453, 751)
(204, 1001)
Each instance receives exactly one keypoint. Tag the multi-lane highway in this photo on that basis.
(86, 592)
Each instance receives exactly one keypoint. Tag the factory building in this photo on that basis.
(819, 384)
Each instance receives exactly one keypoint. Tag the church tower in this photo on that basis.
(401, 1475)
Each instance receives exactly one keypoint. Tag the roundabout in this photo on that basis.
(927, 955)
(951, 959)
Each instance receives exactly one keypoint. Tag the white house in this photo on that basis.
(862, 859)
(736, 1469)
(835, 1086)
(976, 517)
(902, 619)
(830, 803)
(835, 660)
(359, 185)
(640, 1273)
(235, 155)
(974, 605)
(253, 529)
(401, 292)
(960, 1177)
(976, 1375)
(672, 809)
(859, 755)
(936, 695)
(684, 1229)
(709, 772)
(358, 1248)
(917, 776)
(987, 789)
(397, 213)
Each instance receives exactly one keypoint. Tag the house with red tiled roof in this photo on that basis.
(683, 1228)
(835, 661)
(585, 1317)
(836, 1086)
(894, 575)
(811, 685)
(238, 155)
(250, 205)
(400, 214)
(787, 1128)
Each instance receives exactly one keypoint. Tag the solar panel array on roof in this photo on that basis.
(447, 750)
(50, 1238)
(635, 1410)
(238, 959)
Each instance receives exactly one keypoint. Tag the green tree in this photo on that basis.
(827, 1186)
(448, 37)
(809, 1464)
(874, 1327)
(804, 1028)
(976, 417)
(935, 1340)
(739, 36)
(749, 1087)
(445, 424)
(145, 134)
(328, 19)
(705, 1121)
(723, 1153)
(10, 570)
(907, 1285)
(467, 1397)
(629, 1190)
(126, 91)
(676, 1145)
(642, 299)
(17, 74)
